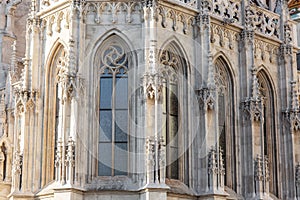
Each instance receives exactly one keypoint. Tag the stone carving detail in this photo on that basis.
(70, 161)
(26, 100)
(155, 160)
(59, 161)
(227, 38)
(287, 34)
(192, 3)
(98, 9)
(286, 47)
(177, 17)
(261, 176)
(206, 98)
(263, 21)
(170, 62)
(207, 95)
(152, 86)
(17, 170)
(227, 9)
(3, 114)
(71, 84)
(293, 113)
(114, 58)
(221, 78)
(65, 161)
(216, 170)
(56, 21)
(253, 106)
(263, 50)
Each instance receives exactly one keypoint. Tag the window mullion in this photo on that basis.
(113, 124)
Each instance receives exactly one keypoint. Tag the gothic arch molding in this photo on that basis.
(226, 118)
(270, 135)
(175, 43)
(267, 75)
(124, 66)
(99, 41)
(230, 68)
(50, 110)
(57, 45)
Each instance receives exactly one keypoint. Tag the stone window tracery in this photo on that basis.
(225, 120)
(113, 109)
(171, 70)
(269, 136)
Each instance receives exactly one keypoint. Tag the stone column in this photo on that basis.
(291, 131)
(257, 168)
(155, 187)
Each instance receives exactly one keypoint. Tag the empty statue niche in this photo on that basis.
(3, 161)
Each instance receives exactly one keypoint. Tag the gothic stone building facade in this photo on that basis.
(142, 100)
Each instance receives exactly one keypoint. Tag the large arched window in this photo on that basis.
(269, 136)
(225, 120)
(173, 70)
(53, 111)
(113, 59)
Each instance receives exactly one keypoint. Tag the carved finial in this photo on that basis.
(211, 73)
(150, 3)
(294, 96)
(33, 8)
(255, 85)
(287, 34)
(13, 56)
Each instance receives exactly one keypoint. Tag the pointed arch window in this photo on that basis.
(225, 120)
(113, 109)
(173, 71)
(269, 134)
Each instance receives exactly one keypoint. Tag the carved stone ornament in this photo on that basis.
(155, 160)
(293, 113)
(253, 109)
(261, 175)
(216, 170)
(72, 85)
(26, 100)
(98, 9)
(53, 23)
(206, 98)
(152, 86)
(287, 33)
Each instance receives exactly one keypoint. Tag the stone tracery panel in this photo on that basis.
(224, 9)
(262, 21)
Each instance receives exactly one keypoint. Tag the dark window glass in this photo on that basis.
(113, 113)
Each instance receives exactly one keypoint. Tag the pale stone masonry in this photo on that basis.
(149, 100)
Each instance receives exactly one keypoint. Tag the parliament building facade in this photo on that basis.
(149, 100)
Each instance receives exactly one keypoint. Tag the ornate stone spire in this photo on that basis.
(13, 57)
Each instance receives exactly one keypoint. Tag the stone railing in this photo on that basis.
(256, 18)
(263, 21)
(227, 10)
(190, 3)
